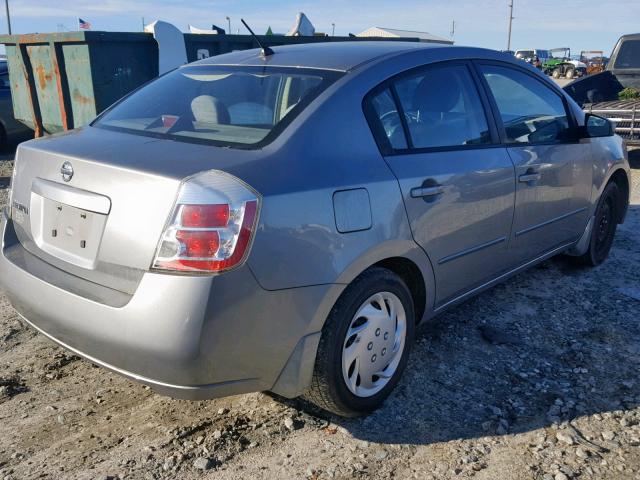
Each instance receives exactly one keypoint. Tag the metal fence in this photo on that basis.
(624, 114)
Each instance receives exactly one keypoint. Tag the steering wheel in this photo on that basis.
(391, 121)
(411, 117)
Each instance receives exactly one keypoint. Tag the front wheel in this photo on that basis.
(556, 73)
(604, 227)
(364, 345)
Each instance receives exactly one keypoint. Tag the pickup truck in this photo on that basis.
(599, 93)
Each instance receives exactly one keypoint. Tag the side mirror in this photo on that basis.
(596, 126)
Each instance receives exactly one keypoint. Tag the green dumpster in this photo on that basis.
(60, 81)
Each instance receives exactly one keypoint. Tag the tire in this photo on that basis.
(556, 73)
(354, 326)
(570, 74)
(604, 228)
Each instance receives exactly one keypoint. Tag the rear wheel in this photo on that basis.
(364, 346)
(570, 74)
(604, 227)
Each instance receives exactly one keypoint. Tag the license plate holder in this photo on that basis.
(70, 233)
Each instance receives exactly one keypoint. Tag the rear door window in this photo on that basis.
(228, 106)
(387, 114)
(442, 108)
(531, 112)
(436, 107)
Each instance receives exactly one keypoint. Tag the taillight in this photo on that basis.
(211, 227)
(205, 216)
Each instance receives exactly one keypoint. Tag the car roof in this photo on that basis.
(341, 56)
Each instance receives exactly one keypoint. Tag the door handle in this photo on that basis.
(426, 191)
(530, 176)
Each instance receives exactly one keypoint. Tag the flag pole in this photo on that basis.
(6, 6)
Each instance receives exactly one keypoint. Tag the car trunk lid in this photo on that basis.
(90, 207)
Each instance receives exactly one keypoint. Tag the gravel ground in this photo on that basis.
(538, 378)
(562, 82)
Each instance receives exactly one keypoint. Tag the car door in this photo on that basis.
(456, 179)
(553, 168)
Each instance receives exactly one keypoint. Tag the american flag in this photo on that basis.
(82, 25)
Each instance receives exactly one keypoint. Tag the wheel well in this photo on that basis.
(621, 180)
(411, 275)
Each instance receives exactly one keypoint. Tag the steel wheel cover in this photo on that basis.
(374, 344)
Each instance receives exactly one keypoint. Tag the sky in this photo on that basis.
(581, 25)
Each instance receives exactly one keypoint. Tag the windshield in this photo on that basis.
(558, 53)
(628, 55)
(591, 56)
(524, 53)
(228, 106)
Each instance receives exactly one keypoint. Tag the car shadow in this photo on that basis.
(553, 344)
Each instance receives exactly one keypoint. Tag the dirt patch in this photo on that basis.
(10, 387)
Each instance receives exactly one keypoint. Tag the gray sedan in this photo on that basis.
(284, 221)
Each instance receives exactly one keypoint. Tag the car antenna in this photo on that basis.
(265, 51)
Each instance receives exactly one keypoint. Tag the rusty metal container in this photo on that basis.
(60, 81)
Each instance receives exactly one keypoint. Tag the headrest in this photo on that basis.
(439, 91)
(209, 109)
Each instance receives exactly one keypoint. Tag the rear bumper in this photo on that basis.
(187, 392)
(185, 336)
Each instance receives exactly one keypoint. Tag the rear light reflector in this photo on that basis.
(205, 216)
(212, 225)
(199, 243)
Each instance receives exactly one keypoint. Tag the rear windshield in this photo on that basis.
(629, 55)
(229, 106)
